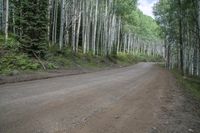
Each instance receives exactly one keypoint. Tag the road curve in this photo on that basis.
(124, 100)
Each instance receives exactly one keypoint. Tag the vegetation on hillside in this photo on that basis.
(179, 21)
(52, 34)
(13, 61)
(190, 84)
(180, 24)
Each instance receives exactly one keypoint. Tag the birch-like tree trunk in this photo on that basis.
(74, 13)
(6, 19)
(94, 24)
(49, 21)
(62, 21)
(55, 18)
(118, 35)
(95, 28)
(78, 27)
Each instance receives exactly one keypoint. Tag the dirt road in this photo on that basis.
(134, 99)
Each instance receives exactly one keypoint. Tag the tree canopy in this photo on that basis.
(180, 24)
(101, 27)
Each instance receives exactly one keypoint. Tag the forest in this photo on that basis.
(44, 29)
(99, 66)
(41, 31)
(180, 24)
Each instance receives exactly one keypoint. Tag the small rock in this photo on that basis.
(154, 128)
(190, 130)
(166, 122)
(84, 119)
(117, 117)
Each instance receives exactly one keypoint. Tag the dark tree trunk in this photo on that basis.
(181, 39)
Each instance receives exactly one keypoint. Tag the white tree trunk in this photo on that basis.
(6, 19)
(78, 28)
(95, 29)
(55, 16)
(74, 10)
(49, 20)
(118, 36)
(62, 21)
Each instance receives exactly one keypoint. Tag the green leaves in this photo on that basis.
(125, 7)
(135, 21)
(31, 18)
(13, 61)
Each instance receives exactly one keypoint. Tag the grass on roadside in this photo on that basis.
(190, 84)
(12, 63)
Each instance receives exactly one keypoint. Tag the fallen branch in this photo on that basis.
(39, 61)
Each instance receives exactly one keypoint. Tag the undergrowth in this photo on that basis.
(14, 61)
(190, 84)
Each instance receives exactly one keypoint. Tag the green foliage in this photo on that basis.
(32, 25)
(190, 84)
(130, 58)
(11, 45)
(124, 7)
(141, 25)
(125, 58)
(1, 39)
(56, 51)
(31, 33)
(136, 22)
(149, 58)
(51, 66)
(179, 22)
(59, 61)
(12, 61)
(65, 58)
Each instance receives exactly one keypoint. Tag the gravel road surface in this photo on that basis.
(133, 99)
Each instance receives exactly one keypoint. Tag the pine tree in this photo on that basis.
(32, 24)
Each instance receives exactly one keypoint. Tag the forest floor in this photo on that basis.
(143, 98)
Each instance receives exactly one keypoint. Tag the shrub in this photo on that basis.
(12, 61)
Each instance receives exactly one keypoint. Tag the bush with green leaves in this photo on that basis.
(12, 61)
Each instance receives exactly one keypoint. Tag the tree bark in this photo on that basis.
(62, 21)
(181, 38)
(6, 19)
